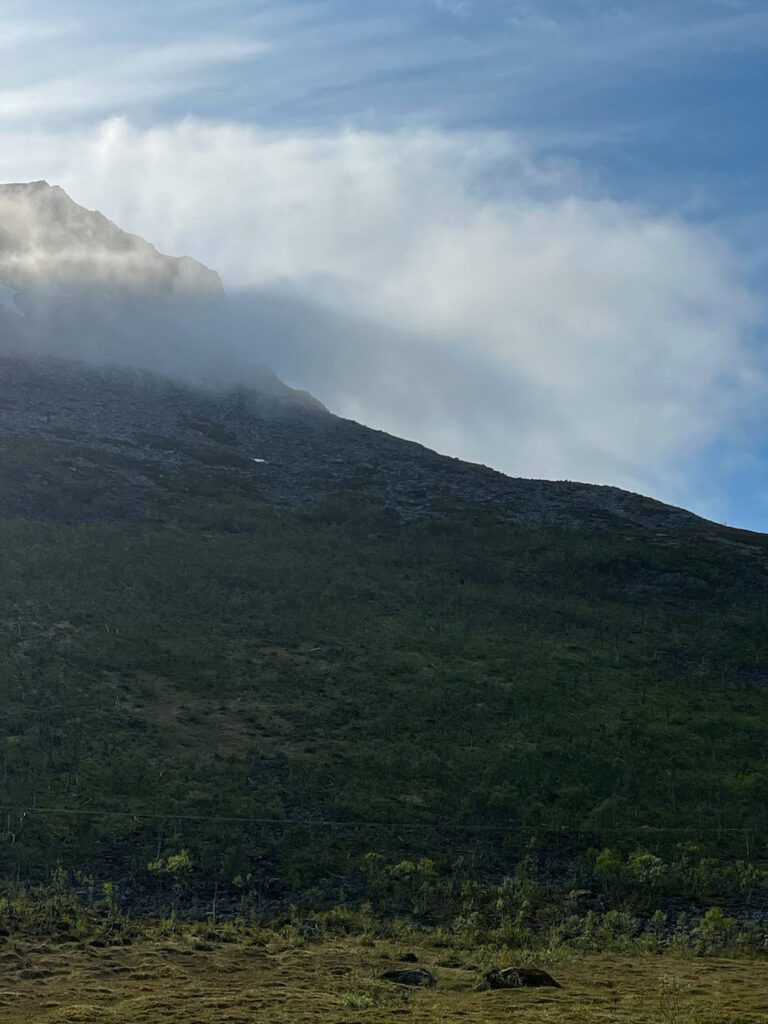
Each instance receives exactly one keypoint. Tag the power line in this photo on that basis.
(139, 816)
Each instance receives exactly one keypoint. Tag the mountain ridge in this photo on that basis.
(46, 238)
(46, 397)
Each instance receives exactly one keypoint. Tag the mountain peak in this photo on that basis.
(28, 186)
(49, 241)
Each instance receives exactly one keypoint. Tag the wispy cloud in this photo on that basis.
(15, 33)
(123, 78)
(438, 61)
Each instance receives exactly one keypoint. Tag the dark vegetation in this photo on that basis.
(388, 685)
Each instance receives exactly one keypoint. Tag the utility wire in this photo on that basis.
(140, 816)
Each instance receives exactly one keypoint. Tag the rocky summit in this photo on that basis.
(75, 285)
(49, 243)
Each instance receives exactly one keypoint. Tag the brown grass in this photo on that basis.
(188, 981)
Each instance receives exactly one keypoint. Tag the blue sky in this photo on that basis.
(647, 118)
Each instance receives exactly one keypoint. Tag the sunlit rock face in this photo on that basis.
(74, 285)
(47, 240)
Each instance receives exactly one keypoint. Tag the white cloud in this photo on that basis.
(523, 325)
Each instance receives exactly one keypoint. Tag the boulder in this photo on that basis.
(416, 976)
(520, 977)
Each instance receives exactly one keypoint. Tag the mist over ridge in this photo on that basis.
(546, 337)
(76, 286)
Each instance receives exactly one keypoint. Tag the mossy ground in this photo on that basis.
(187, 979)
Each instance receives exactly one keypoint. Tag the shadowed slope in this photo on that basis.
(198, 645)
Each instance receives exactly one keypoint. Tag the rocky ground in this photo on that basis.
(279, 446)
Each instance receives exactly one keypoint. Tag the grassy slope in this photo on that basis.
(171, 662)
(265, 664)
(184, 978)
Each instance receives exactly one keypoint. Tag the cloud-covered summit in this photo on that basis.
(452, 289)
(49, 242)
(75, 285)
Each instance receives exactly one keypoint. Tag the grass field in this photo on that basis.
(189, 980)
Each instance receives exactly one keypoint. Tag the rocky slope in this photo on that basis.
(279, 446)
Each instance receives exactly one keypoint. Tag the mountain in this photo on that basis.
(236, 625)
(74, 284)
(48, 242)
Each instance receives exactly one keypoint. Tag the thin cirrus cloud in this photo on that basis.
(444, 60)
(124, 78)
(22, 33)
(538, 330)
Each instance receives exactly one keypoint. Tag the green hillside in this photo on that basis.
(281, 681)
